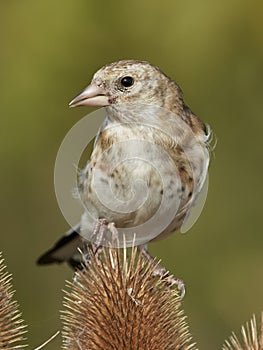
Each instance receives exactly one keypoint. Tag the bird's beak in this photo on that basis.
(92, 95)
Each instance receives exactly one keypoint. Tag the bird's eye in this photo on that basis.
(127, 81)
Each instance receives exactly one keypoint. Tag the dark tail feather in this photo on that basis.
(66, 249)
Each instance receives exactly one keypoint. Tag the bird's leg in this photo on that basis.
(114, 232)
(161, 272)
(101, 227)
(98, 232)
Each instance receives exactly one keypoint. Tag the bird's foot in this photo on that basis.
(160, 271)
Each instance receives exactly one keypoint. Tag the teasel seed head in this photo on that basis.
(117, 303)
(12, 327)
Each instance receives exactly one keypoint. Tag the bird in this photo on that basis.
(148, 165)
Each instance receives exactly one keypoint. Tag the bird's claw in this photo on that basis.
(161, 272)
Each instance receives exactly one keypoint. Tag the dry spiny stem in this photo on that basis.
(12, 327)
(116, 303)
(252, 337)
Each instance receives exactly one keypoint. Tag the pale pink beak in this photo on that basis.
(92, 95)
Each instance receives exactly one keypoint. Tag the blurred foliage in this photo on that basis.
(214, 50)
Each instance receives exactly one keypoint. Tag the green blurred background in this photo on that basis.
(214, 50)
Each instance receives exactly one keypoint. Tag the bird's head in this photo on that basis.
(126, 82)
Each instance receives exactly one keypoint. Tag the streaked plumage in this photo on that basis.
(146, 118)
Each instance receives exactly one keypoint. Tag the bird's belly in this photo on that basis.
(135, 193)
(141, 186)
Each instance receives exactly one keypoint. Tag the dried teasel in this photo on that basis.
(12, 328)
(116, 303)
(252, 337)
